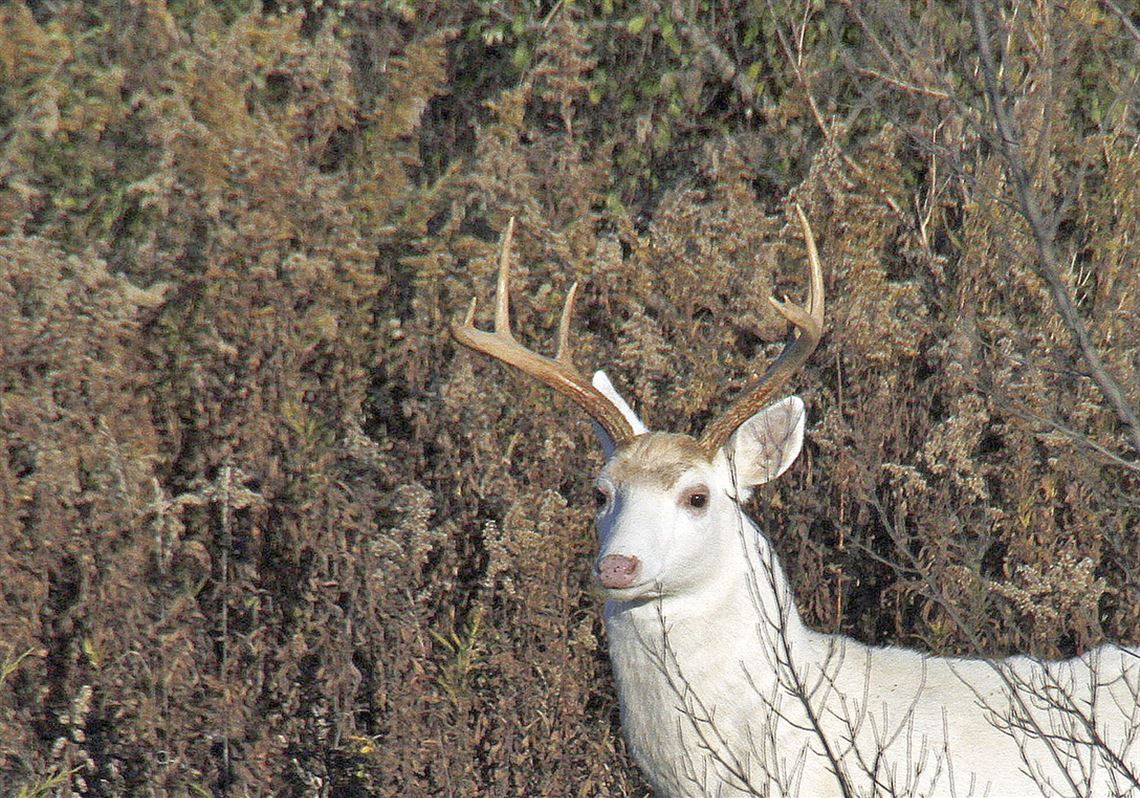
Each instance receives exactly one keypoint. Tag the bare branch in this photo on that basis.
(1009, 144)
(1124, 20)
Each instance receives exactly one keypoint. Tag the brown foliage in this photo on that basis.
(264, 529)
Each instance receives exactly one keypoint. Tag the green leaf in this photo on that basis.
(636, 24)
(669, 35)
(750, 33)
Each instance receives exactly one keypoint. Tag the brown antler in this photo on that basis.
(559, 373)
(808, 322)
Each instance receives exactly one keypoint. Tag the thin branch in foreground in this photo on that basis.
(1124, 20)
(1009, 144)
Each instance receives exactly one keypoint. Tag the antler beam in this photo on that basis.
(558, 372)
(809, 324)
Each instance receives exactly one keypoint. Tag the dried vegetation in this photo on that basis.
(264, 530)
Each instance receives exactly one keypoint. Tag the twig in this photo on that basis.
(899, 84)
(1078, 438)
(1124, 20)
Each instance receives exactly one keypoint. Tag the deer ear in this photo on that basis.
(607, 389)
(765, 445)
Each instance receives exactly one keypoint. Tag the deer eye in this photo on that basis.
(696, 498)
(601, 498)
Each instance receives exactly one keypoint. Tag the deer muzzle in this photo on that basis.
(617, 571)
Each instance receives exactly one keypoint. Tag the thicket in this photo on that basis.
(266, 530)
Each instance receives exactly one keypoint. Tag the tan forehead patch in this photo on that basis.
(656, 457)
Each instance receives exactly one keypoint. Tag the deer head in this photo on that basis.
(666, 500)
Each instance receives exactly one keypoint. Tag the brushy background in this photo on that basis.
(266, 530)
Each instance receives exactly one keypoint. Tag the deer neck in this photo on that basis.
(692, 667)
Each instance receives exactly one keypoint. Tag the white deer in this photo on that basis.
(723, 689)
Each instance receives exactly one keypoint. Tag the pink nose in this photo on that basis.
(616, 571)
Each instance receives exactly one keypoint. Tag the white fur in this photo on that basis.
(603, 384)
(725, 692)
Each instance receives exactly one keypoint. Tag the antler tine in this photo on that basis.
(562, 353)
(809, 325)
(559, 372)
(815, 289)
(503, 288)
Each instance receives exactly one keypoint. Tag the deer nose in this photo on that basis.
(616, 571)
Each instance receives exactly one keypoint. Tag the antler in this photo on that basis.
(808, 322)
(559, 373)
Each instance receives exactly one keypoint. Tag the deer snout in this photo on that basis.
(616, 571)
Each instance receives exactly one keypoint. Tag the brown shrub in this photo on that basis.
(264, 529)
